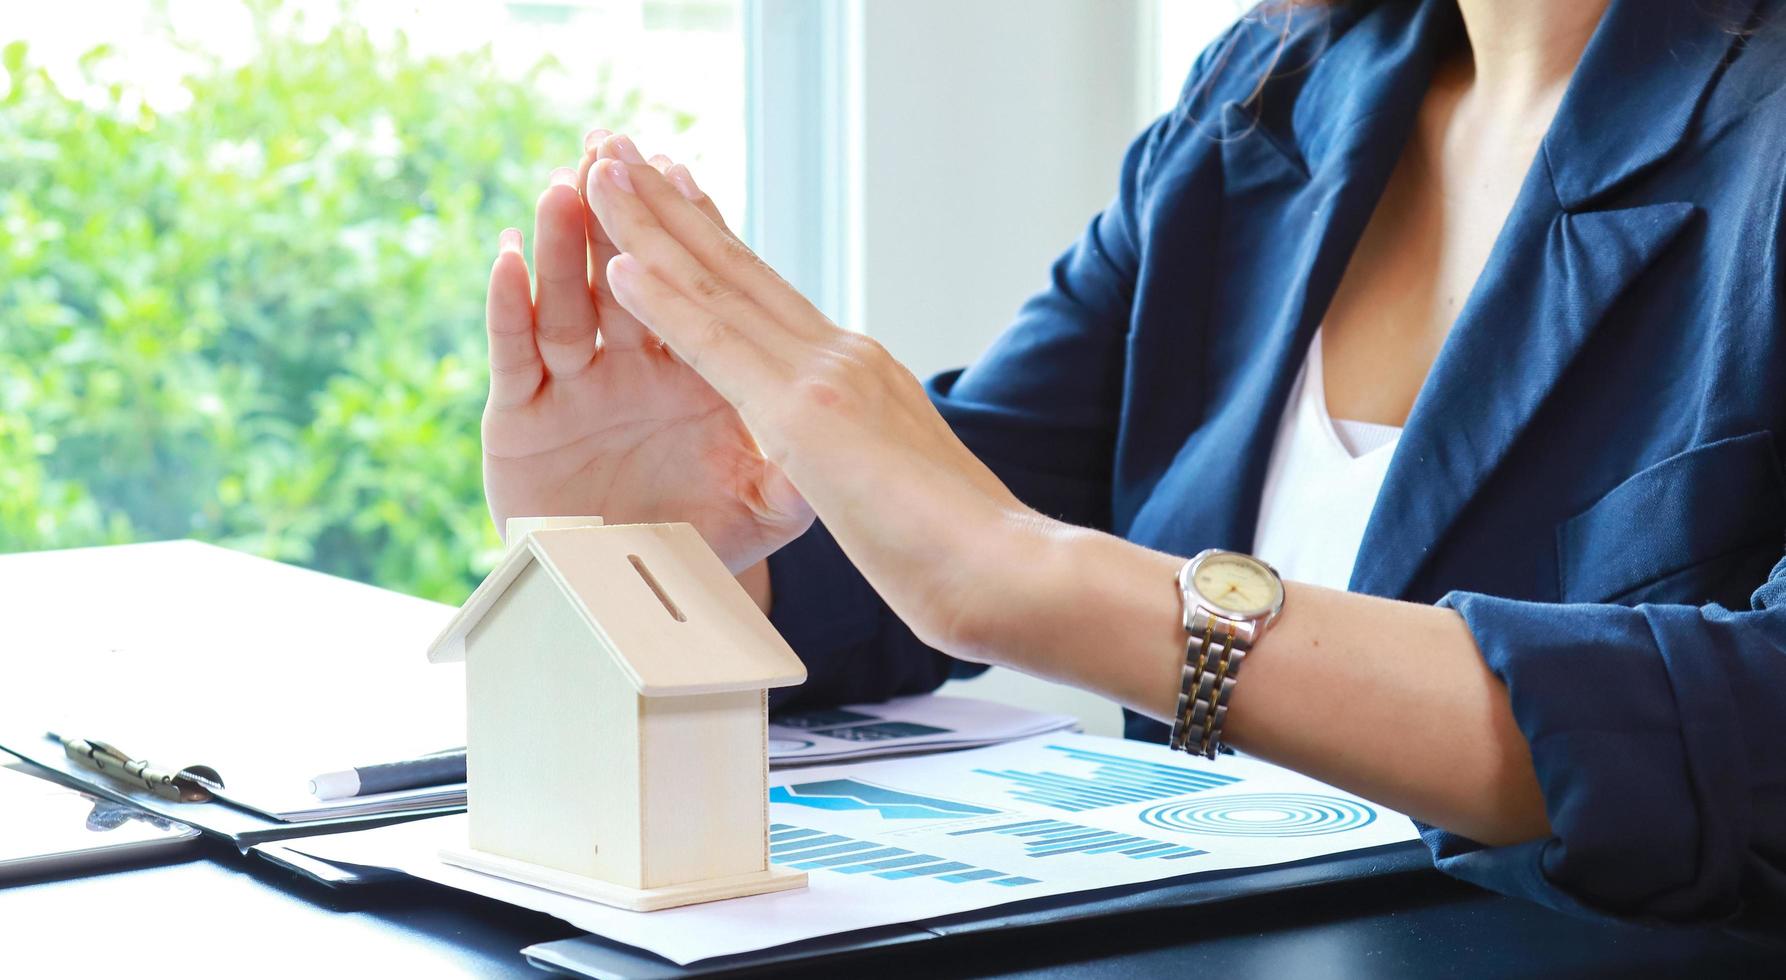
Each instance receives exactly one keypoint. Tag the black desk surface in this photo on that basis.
(235, 915)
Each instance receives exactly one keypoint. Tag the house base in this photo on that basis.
(636, 899)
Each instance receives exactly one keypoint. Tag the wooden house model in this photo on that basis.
(616, 716)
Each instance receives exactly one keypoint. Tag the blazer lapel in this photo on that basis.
(1531, 314)
(1302, 171)
(1552, 277)
(1641, 81)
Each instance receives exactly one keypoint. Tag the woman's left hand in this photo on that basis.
(932, 529)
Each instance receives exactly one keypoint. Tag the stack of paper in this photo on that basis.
(904, 840)
(926, 723)
(289, 801)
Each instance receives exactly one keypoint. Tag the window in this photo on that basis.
(1180, 31)
(243, 244)
(243, 248)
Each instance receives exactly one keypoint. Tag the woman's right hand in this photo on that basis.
(589, 414)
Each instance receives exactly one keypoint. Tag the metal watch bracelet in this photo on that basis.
(1204, 688)
(1216, 644)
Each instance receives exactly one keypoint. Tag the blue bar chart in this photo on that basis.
(1049, 838)
(891, 804)
(805, 849)
(1113, 780)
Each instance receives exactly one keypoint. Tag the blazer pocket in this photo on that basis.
(1703, 525)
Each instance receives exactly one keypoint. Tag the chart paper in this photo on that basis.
(908, 839)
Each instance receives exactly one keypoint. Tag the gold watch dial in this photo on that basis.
(1237, 584)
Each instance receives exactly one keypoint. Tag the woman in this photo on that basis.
(1531, 246)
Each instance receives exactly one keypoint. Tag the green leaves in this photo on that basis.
(257, 320)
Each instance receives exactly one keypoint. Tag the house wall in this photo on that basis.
(552, 739)
(704, 779)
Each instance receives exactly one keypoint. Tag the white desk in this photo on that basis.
(214, 657)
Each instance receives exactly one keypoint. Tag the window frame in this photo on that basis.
(802, 138)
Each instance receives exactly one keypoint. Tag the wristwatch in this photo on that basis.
(1230, 600)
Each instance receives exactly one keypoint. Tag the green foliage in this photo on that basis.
(258, 320)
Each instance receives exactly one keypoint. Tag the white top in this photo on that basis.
(1320, 485)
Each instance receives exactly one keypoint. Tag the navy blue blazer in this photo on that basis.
(1591, 474)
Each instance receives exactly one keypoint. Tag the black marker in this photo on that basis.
(438, 769)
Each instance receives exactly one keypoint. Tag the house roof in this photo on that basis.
(613, 576)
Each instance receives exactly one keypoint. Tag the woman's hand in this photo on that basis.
(590, 414)
(976, 574)
(933, 530)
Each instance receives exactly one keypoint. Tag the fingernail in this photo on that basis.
(625, 150)
(618, 176)
(594, 137)
(565, 176)
(510, 240)
(685, 182)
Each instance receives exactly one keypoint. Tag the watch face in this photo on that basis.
(1237, 584)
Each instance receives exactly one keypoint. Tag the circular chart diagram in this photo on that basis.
(1261, 815)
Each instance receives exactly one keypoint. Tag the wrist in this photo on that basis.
(1005, 575)
(1088, 609)
(755, 580)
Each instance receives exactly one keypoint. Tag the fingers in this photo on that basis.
(515, 367)
(601, 248)
(710, 244)
(640, 236)
(564, 309)
(684, 183)
(597, 146)
(645, 240)
(623, 148)
(620, 330)
(730, 356)
(679, 177)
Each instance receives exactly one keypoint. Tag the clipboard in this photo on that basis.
(603, 959)
(217, 819)
(204, 655)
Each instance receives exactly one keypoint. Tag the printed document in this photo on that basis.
(902, 840)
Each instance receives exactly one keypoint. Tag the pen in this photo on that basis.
(437, 769)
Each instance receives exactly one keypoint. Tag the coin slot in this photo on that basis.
(656, 588)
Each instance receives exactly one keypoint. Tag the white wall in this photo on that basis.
(990, 133)
(985, 135)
